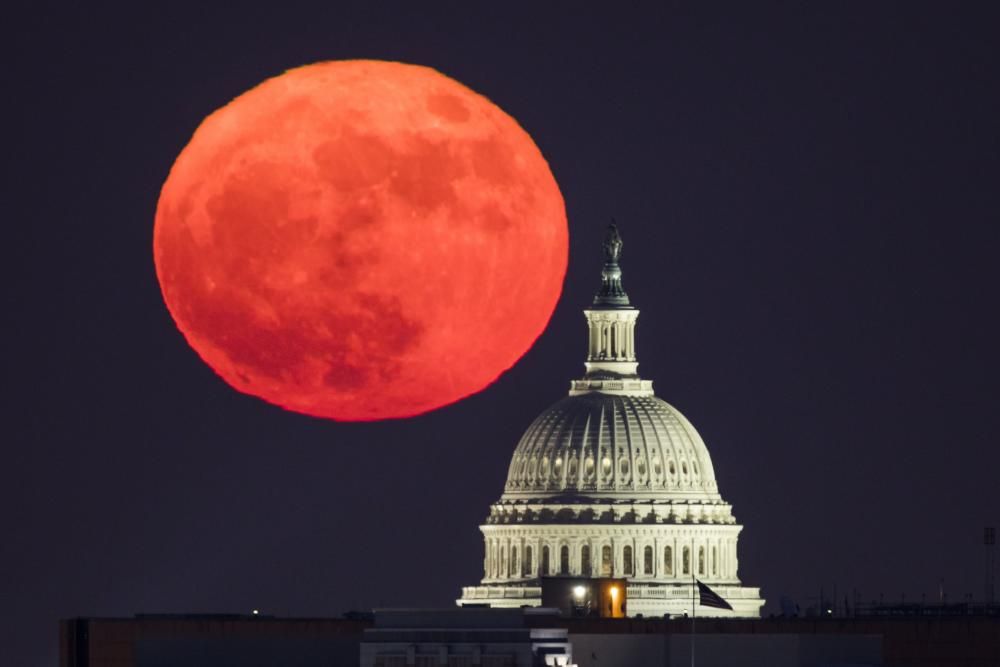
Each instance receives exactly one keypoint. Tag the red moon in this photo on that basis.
(360, 240)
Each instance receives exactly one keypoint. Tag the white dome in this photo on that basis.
(612, 481)
(604, 446)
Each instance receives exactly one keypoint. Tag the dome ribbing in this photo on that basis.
(597, 445)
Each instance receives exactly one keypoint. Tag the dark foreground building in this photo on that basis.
(477, 637)
(219, 640)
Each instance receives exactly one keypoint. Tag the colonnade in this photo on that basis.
(709, 558)
(611, 338)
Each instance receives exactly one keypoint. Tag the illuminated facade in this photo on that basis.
(613, 482)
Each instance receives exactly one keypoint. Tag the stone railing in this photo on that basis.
(675, 591)
(495, 592)
(612, 386)
(624, 513)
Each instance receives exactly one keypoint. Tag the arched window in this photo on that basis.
(686, 561)
(545, 560)
(668, 561)
(564, 559)
(528, 570)
(585, 560)
(647, 560)
(514, 563)
(715, 562)
(606, 466)
(701, 560)
(627, 561)
(606, 561)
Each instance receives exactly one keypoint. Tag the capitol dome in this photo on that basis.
(612, 482)
(598, 445)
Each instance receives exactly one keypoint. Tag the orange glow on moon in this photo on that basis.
(360, 240)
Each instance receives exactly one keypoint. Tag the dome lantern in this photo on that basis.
(611, 361)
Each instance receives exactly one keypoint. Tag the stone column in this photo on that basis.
(487, 562)
(657, 557)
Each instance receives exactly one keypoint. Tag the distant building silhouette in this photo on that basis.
(515, 638)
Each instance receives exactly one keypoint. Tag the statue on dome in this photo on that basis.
(612, 244)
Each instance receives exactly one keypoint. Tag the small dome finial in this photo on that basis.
(612, 293)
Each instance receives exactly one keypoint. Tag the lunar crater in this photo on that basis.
(448, 107)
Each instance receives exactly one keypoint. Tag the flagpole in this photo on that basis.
(694, 602)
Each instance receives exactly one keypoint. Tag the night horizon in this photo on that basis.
(808, 203)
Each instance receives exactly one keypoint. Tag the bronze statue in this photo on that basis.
(612, 293)
(612, 244)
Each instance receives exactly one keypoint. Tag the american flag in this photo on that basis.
(710, 598)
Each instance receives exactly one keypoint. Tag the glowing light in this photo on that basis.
(614, 591)
(579, 592)
(360, 240)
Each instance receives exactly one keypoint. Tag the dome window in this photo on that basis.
(673, 470)
(543, 469)
(640, 467)
(657, 467)
(684, 468)
(606, 466)
(572, 468)
(624, 466)
(588, 468)
(694, 467)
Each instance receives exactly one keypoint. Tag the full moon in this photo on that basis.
(360, 240)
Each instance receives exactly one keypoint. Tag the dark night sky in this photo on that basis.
(808, 198)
